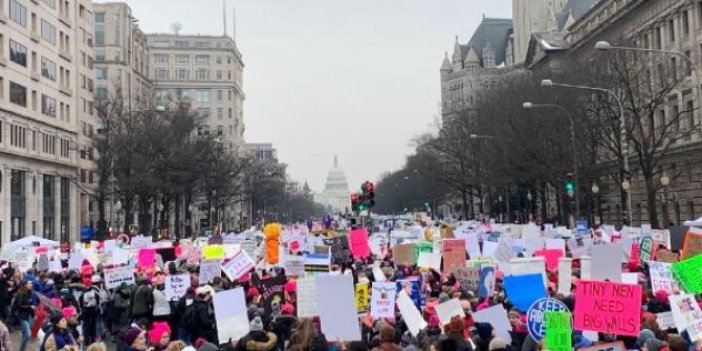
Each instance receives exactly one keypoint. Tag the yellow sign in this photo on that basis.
(361, 297)
(213, 252)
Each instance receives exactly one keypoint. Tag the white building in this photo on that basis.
(336, 193)
(45, 93)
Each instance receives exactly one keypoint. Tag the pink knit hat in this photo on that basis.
(159, 329)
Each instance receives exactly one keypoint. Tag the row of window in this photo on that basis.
(19, 55)
(184, 44)
(18, 96)
(19, 135)
(184, 74)
(165, 59)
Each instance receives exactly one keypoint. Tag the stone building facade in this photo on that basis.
(46, 82)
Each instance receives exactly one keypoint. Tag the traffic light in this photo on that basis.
(570, 185)
(355, 201)
(367, 195)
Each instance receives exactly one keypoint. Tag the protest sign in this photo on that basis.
(487, 280)
(665, 320)
(358, 242)
(294, 266)
(448, 309)
(317, 262)
(586, 267)
(422, 246)
(551, 256)
(213, 252)
(535, 316)
(430, 260)
(606, 262)
(209, 269)
(468, 277)
(661, 237)
(608, 307)
(473, 246)
(687, 315)
(558, 331)
(55, 266)
(520, 266)
(118, 275)
(523, 290)
(666, 256)
(43, 262)
(552, 244)
(337, 307)
(251, 248)
(272, 290)
(453, 252)
(687, 272)
(662, 278)
(230, 315)
(239, 264)
(176, 286)
(306, 298)
(340, 251)
(630, 278)
(146, 257)
(412, 286)
(383, 299)
(497, 317)
(361, 295)
(532, 244)
(693, 243)
(379, 244)
(612, 346)
(403, 254)
(489, 248)
(645, 249)
(565, 269)
(503, 252)
(410, 315)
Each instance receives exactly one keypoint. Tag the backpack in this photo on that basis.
(90, 299)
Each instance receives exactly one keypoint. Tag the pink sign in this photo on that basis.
(454, 254)
(608, 307)
(551, 256)
(147, 256)
(294, 246)
(358, 243)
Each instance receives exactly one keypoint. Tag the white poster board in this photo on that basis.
(230, 314)
(606, 262)
(497, 316)
(239, 264)
(176, 286)
(383, 299)
(337, 307)
(413, 319)
(118, 275)
(449, 309)
(306, 298)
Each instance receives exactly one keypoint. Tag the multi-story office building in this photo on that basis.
(206, 72)
(45, 103)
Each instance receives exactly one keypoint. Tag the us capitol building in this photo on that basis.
(336, 195)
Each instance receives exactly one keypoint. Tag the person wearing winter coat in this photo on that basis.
(60, 338)
(387, 339)
(305, 338)
(200, 324)
(25, 311)
(161, 306)
(90, 311)
(454, 330)
(135, 339)
(258, 339)
(119, 315)
(142, 300)
(283, 325)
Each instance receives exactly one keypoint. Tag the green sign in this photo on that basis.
(689, 274)
(646, 249)
(422, 246)
(558, 330)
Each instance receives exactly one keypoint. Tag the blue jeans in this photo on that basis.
(26, 333)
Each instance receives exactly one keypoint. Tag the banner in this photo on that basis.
(523, 290)
(608, 307)
(337, 308)
(176, 286)
(209, 269)
(272, 289)
(358, 242)
(383, 299)
(230, 315)
(306, 298)
(240, 264)
(118, 275)
(361, 297)
(687, 315)
(453, 252)
(662, 278)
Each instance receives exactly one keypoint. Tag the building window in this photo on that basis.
(101, 73)
(202, 59)
(219, 95)
(18, 136)
(161, 74)
(690, 114)
(50, 3)
(219, 75)
(48, 69)
(101, 93)
(65, 148)
(220, 113)
(182, 74)
(182, 59)
(671, 30)
(220, 130)
(18, 13)
(202, 74)
(203, 112)
(203, 96)
(48, 106)
(161, 59)
(230, 95)
(18, 94)
(99, 28)
(685, 24)
(48, 32)
(219, 60)
(230, 113)
(18, 53)
(181, 44)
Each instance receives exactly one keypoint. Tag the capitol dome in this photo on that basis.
(336, 189)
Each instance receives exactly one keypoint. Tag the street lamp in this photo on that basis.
(528, 105)
(665, 181)
(118, 209)
(595, 189)
(623, 136)
(606, 46)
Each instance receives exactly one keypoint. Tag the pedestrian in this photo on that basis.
(142, 300)
(387, 339)
(258, 339)
(135, 339)
(119, 314)
(89, 312)
(199, 321)
(24, 310)
(161, 309)
(59, 338)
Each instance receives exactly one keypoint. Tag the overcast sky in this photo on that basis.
(357, 78)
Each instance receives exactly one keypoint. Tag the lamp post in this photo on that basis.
(118, 208)
(528, 105)
(596, 199)
(606, 46)
(626, 185)
(665, 181)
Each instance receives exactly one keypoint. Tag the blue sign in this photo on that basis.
(535, 316)
(487, 281)
(412, 287)
(581, 227)
(523, 290)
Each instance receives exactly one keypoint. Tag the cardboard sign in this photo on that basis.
(209, 269)
(337, 308)
(453, 252)
(551, 256)
(666, 256)
(230, 314)
(114, 277)
(383, 299)
(687, 315)
(524, 290)
(687, 272)
(662, 278)
(692, 245)
(176, 286)
(240, 264)
(306, 298)
(361, 295)
(403, 254)
(468, 277)
(358, 242)
(608, 307)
